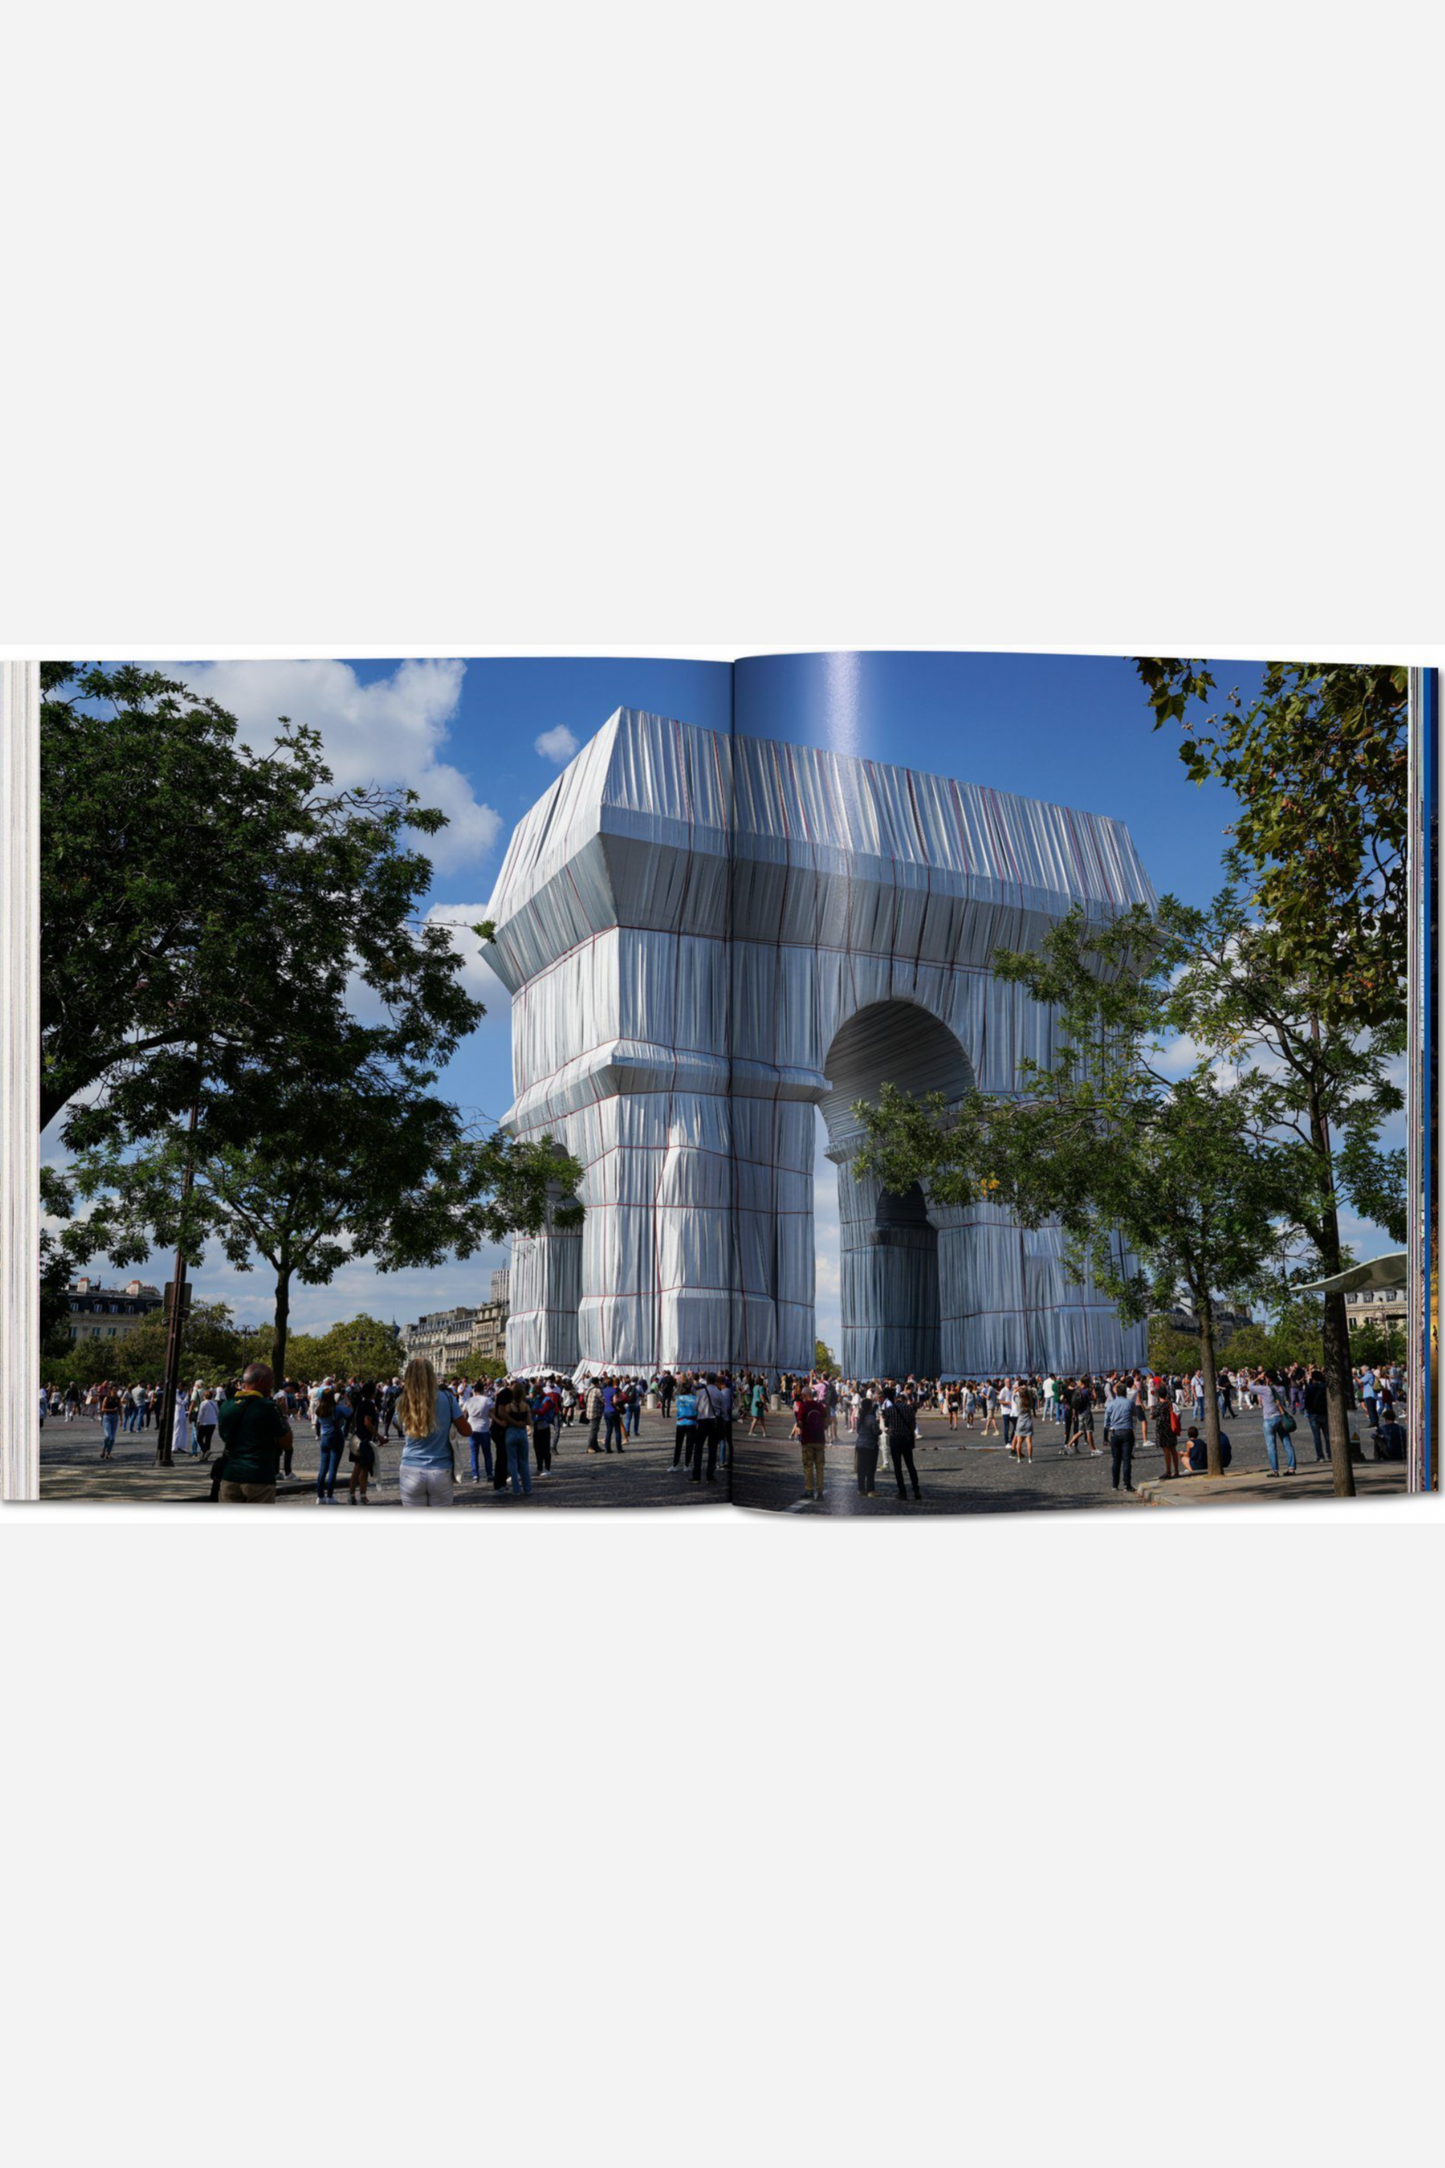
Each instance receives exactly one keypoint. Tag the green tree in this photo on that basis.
(1318, 761)
(1171, 1352)
(824, 1361)
(1182, 1171)
(1310, 974)
(198, 893)
(478, 1365)
(1251, 1347)
(1374, 1342)
(370, 1166)
(1325, 1081)
(211, 1348)
(358, 1347)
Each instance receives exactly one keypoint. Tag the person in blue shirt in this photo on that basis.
(428, 1414)
(612, 1407)
(685, 1437)
(330, 1431)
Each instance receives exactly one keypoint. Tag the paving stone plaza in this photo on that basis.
(958, 1471)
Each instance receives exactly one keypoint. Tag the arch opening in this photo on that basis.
(889, 1282)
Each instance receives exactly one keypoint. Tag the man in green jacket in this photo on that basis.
(253, 1432)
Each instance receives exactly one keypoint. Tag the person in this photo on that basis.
(253, 1431)
(865, 1451)
(666, 1393)
(1197, 1451)
(290, 1402)
(685, 1435)
(723, 1416)
(109, 1404)
(365, 1435)
(181, 1424)
(1024, 1424)
(758, 1410)
(479, 1405)
(710, 1422)
(427, 1414)
(990, 1401)
(516, 1418)
(545, 1410)
(1369, 1396)
(206, 1425)
(612, 1415)
(330, 1429)
(1317, 1411)
(1119, 1433)
(902, 1437)
(388, 1408)
(1166, 1435)
(1082, 1413)
(1278, 1423)
(812, 1418)
(594, 1411)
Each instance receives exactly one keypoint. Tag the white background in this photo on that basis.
(706, 1838)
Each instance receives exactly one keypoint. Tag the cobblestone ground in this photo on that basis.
(962, 1472)
(71, 1467)
(958, 1471)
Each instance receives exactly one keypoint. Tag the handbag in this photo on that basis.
(1287, 1422)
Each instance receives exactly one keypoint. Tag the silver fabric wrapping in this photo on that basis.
(707, 937)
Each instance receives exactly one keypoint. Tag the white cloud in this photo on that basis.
(390, 731)
(1178, 1056)
(558, 745)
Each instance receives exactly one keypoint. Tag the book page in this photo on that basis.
(386, 1123)
(1037, 980)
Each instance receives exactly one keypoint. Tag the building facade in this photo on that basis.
(449, 1339)
(1227, 1322)
(1382, 1306)
(710, 938)
(105, 1313)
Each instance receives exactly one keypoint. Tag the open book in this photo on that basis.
(917, 1082)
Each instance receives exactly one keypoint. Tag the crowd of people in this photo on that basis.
(1120, 1409)
(507, 1433)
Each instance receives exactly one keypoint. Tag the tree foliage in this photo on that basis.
(212, 1347)
(1317, 762)
(358, 1347)
(199, 893)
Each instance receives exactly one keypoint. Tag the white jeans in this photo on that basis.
(426, 1486)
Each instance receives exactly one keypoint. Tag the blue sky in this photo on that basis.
(484, 739)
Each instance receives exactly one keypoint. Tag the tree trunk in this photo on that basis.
(1337, 1392)
(1336, 1335)
(1205, 1308)
(281, 1327)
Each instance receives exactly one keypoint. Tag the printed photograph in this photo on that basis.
(846, 1084)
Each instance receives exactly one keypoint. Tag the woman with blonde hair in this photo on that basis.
(428, 1414)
